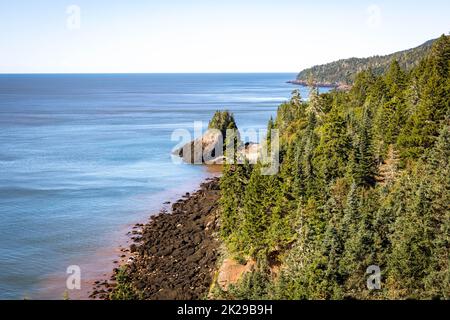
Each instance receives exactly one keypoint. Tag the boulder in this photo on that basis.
(208, 149)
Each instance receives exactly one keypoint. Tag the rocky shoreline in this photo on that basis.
(337, 86)
(174, 256)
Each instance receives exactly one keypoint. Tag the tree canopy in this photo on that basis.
(364, 180)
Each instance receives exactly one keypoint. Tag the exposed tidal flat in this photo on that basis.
(85, 157)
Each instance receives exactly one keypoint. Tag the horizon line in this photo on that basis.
(113, 73)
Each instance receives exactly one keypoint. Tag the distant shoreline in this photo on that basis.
(337, 86)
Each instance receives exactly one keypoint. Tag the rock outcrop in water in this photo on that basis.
(210, 147)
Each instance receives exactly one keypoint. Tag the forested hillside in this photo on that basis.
(344, 71)
(364, 180)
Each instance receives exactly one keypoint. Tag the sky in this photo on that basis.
(125, 36)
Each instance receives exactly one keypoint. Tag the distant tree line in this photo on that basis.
(344, 71)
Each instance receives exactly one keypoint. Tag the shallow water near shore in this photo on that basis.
(84, 157)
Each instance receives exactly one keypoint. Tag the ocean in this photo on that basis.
(84, 157)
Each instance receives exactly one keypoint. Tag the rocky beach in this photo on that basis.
(174, 255)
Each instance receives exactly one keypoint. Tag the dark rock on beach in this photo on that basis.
(175, 256)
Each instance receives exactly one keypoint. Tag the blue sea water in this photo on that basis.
(84, 156)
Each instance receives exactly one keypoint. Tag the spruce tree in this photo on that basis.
(422, 127)
(364, 165)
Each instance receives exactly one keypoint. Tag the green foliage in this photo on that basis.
(253, 286)
(233, 183)
(419, 259)
(344, 71)
(66, 295)
(363, 164)
(222, 120)
(124, 289)
(364, 180)
(427, 112)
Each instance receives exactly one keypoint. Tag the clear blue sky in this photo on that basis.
(206, 35)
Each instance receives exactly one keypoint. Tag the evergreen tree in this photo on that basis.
(255, 215)
(364, 165)
(433, 105)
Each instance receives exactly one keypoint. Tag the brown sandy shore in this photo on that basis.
(174, 256)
